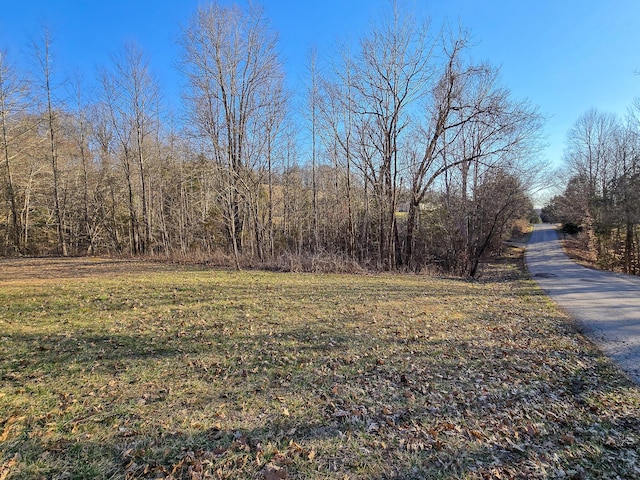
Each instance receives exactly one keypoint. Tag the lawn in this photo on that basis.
(120, 369)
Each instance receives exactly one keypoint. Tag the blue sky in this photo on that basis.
(565, 56)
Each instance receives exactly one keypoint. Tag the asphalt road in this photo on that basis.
(606, 305)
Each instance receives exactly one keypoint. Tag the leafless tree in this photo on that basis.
(13, 103)
(231, 63)
(406, 140)
(390, 74)
(51, 110)
(589, 155)
(130, 95)
(589, 145)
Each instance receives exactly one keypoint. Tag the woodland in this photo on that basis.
(600, 204)
(398, 153)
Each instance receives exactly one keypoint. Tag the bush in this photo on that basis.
(571, 228)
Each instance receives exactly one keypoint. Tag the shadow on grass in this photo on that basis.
(32, 356)
(442, 446)
(375, 401)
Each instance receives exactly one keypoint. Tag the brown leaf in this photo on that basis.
(5, 468)
(5, 433)
(273, 472)
(295, 447)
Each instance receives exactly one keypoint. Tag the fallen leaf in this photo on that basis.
(273, 472)
(5, 468)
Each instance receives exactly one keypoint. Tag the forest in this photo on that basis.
(401, 153)
(600, 204)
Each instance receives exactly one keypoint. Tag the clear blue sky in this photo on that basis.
(565, 56)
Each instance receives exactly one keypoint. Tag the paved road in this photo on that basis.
(606, 305)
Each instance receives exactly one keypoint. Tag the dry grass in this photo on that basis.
(577, 248)
(521, 230)
(137, 370)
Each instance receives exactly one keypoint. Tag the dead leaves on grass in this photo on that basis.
(6, 467)
(240, 458)
(370, 377)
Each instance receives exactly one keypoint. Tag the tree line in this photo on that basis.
(403, 154)
(601, 200)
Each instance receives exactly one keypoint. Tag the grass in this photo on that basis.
(136, 370)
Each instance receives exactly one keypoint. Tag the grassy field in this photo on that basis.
(116, 369)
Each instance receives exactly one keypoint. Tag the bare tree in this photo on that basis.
(13, 102)
(275, 145)
(313, 99)
(589, 144)
(339, 116)
(43, 57)
(130, 94)
(407, 140)
(80, 133)
(231, 64)
(589, 154)
(390, 74)
(472, 125)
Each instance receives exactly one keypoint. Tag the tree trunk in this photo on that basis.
(14, 228)
(53, 152)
